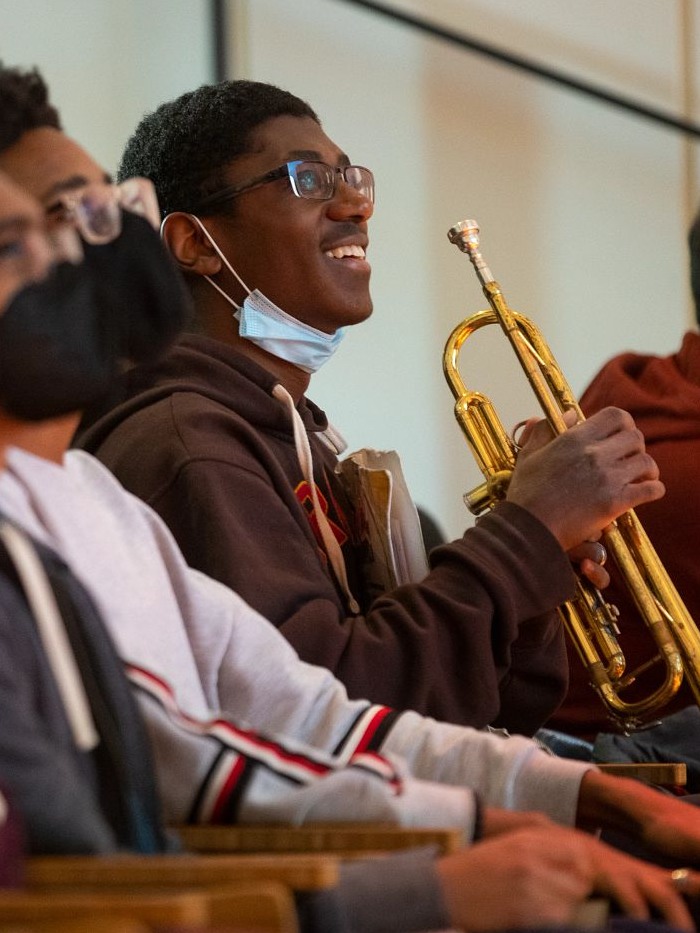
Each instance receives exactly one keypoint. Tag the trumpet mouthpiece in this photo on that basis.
(465, 235)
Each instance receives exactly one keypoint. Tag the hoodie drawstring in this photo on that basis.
(303, 450)
(54, 638)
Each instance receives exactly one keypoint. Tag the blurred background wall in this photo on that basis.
(583, 207)
(108, 63)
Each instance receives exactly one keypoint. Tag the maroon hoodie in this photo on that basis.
(663, 396)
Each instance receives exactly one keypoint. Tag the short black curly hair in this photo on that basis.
(185, 145)
(24, 104)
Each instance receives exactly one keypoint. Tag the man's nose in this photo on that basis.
(348, 202)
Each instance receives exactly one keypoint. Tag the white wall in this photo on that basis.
(583, 208)
(107, 63)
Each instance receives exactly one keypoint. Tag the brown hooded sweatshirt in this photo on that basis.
(203, 441)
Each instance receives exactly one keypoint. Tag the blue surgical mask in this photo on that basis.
(269, 327)
(272, 329)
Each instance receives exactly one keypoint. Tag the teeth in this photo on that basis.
(340, 252)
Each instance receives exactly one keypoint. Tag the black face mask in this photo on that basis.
(64, 341)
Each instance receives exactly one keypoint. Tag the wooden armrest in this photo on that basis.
(263, 907)
(86, 923)
(651, 772)
(298, 872)
(171, 907)
(346, 839)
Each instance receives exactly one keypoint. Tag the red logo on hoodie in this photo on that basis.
(303, 494)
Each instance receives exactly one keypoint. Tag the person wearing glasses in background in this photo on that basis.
(268, 220)
(73, 751)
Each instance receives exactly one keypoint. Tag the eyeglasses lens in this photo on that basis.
(317, 180)
(97, 215)
(313, 180)
(361, 179)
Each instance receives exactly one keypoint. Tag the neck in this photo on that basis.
(47, 439)
(294, 380)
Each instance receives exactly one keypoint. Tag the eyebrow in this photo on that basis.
(71, 184)
(312, 155)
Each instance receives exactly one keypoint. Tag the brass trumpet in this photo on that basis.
(589, 619)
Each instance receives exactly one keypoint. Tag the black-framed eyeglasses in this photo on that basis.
(313, 180)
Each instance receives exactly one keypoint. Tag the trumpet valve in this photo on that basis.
(486, 495)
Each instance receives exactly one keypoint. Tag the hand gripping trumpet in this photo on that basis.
(590, 621)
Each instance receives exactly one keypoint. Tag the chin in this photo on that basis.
(357, 315)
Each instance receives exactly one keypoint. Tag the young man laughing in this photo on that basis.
(268, 219)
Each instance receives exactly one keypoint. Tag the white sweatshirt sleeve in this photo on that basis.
(216, 772)
(512, 772)
(262, 682)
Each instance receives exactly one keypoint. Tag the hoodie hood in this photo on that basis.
(213, 370)
(661, 393)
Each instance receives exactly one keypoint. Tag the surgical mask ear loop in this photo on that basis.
(303, 449)
(221, 257)
(225, 262)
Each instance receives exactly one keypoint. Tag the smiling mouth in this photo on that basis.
(351, 251)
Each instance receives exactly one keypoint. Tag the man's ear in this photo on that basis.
(189, 245)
